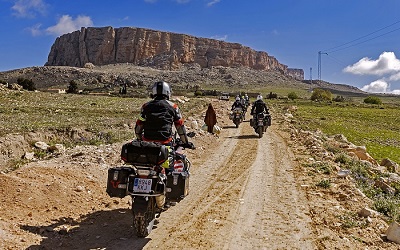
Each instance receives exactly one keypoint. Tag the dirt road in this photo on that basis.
(243, 195)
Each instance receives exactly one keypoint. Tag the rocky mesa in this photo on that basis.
(158, 49)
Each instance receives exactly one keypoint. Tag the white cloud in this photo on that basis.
(275, 32)
(378, 86)
(221, 38)
(150, 1)
(28, 8)
(182, 1)
(395, 77)
(387, 63)
(67, 24)
(209, 4)
(35, 30)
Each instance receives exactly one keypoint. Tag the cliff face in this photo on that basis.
(144, 47)
(297, 74)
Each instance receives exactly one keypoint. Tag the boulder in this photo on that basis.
(393, 232)
(391, 166)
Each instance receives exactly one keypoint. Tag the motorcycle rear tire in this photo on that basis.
(260, 132)
(143, 220)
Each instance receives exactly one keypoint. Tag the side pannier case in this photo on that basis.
(143, 152)
(178, 180)
(117, 182)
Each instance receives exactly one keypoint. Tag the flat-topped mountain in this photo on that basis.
(157, 49)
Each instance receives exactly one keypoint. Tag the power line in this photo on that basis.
(336, 48)
(365, 40)
(340, 47)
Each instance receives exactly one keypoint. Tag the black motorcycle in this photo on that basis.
(237, 116)
(147, 180)
(260, 123)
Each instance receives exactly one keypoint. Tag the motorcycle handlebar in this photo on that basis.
(179, 143)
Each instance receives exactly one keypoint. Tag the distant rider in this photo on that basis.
(237, 104)
(247, 100)
(260, 107)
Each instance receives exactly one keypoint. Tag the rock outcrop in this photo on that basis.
(162, 50)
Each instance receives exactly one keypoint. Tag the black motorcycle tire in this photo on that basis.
(260, 132)
(142, 219)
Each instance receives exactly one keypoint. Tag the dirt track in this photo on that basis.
(243, 195)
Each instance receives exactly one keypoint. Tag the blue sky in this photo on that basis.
(361, 37)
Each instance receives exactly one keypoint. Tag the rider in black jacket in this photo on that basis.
(259, 106)
(158, 116)
(237, 104)
(155, 124)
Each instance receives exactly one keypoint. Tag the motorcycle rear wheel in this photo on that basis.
(143, 220)
(260, 132)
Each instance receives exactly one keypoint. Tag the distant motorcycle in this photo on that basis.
(260, 123)
(146, 181)
(237, 116)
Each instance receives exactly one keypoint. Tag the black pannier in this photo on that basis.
(117, 183)
(144, 152)
(178, 180)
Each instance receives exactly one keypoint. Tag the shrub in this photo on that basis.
(292, 96)
(321, 95)
(73, 87)
(198, 93)
(388, 207)
(339, 98)
(373, 100)
(272, 95)
(26, 84)
(324, 183)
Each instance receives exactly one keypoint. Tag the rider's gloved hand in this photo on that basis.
(189, 145)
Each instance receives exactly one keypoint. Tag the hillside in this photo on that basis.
(109, 78)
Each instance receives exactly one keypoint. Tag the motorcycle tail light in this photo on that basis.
(143, 172)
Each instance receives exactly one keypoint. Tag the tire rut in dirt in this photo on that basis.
(200, 220)
(273, 212)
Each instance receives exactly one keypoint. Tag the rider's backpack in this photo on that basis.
(144, 152)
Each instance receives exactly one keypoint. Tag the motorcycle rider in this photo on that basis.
(247, 100)
(237, 104)
(157, 117)
(156, 120)
(258, 107)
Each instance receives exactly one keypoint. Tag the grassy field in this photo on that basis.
(373, 126)
(23, 112)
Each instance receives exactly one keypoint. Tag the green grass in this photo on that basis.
(376, 127)
(103, 117)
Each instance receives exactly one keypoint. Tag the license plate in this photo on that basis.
(142, 185)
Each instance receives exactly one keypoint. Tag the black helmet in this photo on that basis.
(161, 89)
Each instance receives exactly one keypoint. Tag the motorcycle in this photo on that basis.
(261, 123)
(145, 180)
(237, 116)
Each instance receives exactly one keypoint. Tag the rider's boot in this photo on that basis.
(160, 201)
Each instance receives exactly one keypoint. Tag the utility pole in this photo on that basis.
(319, 64)
(310, 75)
